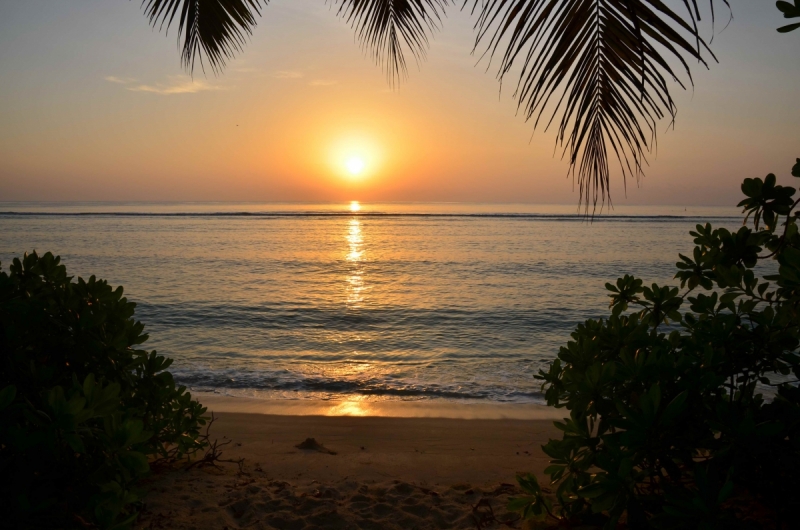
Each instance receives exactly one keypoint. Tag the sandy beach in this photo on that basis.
(415, 466)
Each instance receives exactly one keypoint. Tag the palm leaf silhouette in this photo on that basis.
(387, 27)
(599, 69)
(214, 29)
(599, 65)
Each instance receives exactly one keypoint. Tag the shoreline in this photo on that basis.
(430, 450)
(220, 403)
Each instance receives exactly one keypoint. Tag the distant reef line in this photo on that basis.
(556, 217)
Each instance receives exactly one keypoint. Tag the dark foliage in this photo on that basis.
(214, 29)
(601, 69)
(387, 28)
(83, 412)
(789, 11)
(687, 417)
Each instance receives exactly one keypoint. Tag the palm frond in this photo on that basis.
(216, 29)
(789, 11)
(388, 27)
(600, 68)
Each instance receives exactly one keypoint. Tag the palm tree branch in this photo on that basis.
(216, 29)
(389, 28)
(598, 67)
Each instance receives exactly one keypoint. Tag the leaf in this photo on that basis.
(655, 396)
(752, 187)
(88, 386)
(7, 395)
(75, 442)
(729, 297)
(529, 483)
(675, 407)
(788, 28)
(214, 29)
(598, 70)
(789, 261)
(549, 470)
(593, 490)
(135, 433)
(125, 524)
(784, 7)
(605, 502)
(75, 405)
(389, 28)
(768, 429)
(625, 468)
(725, 492)
(520, 503)
(135, 461)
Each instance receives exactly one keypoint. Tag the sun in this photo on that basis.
(355, 165)
(355, 158)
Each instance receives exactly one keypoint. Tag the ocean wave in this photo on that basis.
(282, 316)
(306, 306)
(286, 384)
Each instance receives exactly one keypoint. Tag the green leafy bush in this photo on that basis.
(687, 417)
(83, 412)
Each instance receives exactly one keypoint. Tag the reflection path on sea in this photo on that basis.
(358, 307)
(355, 274)
(355, 286)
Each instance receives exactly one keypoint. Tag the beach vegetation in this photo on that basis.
(683, 404)
(84, 410)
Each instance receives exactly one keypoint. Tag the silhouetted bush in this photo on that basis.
(82, 411)
(672, 423)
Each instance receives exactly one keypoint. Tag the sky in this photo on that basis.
(95, 106)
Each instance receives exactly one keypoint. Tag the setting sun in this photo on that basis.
(355, 165)
(355, 157)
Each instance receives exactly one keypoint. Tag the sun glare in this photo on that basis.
(356, 158)
(355, 165)
(355, 206)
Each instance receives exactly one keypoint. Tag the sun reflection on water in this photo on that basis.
(355, 256)
(355, 242)
(351, 408)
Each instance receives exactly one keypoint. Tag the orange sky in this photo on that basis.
(94, 106)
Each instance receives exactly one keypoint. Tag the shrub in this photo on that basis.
(83, 412)
(687, 417)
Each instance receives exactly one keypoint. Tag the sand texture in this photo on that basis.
(385, 473)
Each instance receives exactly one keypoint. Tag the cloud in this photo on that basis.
(322, 82)
(287, 74)
(176, 84)
(119, 80)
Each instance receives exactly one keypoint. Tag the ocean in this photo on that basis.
(458, 302)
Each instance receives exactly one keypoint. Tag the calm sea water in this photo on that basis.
(420, 301)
